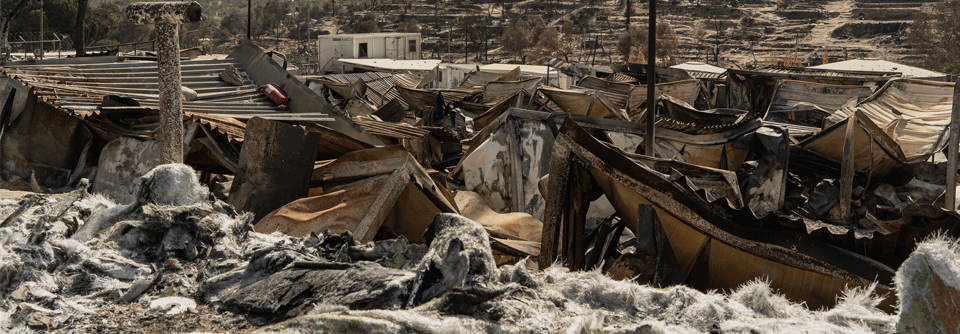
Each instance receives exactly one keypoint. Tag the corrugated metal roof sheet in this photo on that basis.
(791, 99)
(620, 77)
(479, 78)
(386, 64)
(828, 97)
(707, 75)
(811, 73)
(393, 130)
(793, 129)
(617, 92)
(915, 113)
(699, 67)
(874, 64)
(79, 89)
(379, 84)
(699, 129)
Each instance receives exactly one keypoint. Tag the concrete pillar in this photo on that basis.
(167, 16)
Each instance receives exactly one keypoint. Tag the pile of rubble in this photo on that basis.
(368, 202)
(80, 262)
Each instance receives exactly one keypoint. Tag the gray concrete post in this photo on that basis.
(167, 16)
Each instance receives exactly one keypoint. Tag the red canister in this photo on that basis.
(274, 94)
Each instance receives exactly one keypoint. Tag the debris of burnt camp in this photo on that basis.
(779, 199)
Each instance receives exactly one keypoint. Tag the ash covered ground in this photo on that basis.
(178, 261)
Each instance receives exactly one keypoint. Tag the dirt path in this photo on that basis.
(820, 34)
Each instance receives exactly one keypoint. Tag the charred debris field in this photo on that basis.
(398, 195)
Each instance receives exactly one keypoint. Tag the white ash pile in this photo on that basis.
(73, 264)
(64, 261)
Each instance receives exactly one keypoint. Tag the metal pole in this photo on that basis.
(41, 30)
(950, 202)
(650, 139)
(248, 19)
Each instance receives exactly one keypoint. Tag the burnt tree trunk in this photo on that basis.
(5, 29)
(80, 41)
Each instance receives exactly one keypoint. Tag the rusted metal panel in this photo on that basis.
(276, 162)
(346, 89)
(334, 144)
(79, 88)
(822, 74)
(706, 243)
(707, 138)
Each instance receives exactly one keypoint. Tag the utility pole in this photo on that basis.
(167, 18)
(953, 150)
(40, 55)
(651, 145)
(628, 12)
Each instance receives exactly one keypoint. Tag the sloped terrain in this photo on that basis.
(747, 33)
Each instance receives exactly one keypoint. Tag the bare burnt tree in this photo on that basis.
(79, 40)
(934, 37)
